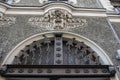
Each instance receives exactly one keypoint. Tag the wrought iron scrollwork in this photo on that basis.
(47, 41)
(70, 43)
(65, 51)
(17, 60)
(78, 47)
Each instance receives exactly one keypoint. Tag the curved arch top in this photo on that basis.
(10, 57)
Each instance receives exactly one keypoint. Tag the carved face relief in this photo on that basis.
(57, 19)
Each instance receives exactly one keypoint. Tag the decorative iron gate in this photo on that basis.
(57, 51)
(57, 57)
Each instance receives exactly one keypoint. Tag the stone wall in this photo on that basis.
(89, 3)
(116, 25)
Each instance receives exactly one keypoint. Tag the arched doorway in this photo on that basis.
(58, 55)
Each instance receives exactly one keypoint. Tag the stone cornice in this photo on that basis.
(6, 9)
(114, 18)
(18, 10)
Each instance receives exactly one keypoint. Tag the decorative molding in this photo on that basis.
(3, 8)
(115, 20)
(7, 20)
(10, 10)
(57, 20)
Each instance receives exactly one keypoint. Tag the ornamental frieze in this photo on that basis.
(7, 20)
(57, 20)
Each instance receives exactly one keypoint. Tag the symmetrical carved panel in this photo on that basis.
(65, 51)
(57, 20)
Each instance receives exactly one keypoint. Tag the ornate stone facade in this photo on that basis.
(57, 20)
(21, 21)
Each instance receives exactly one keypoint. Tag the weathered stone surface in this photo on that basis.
(117, 28)
(28, 3)
(88, 3)
(97, 30)
(15, 33)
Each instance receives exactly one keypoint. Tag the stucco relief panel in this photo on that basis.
(57, 20)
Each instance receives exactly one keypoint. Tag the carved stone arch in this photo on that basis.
(61, 54)
(104, 59)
